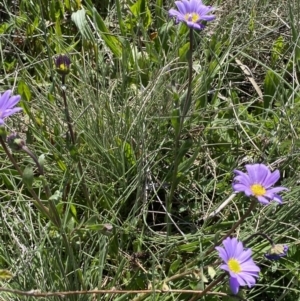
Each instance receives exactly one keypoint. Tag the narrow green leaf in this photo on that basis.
(5, 274)
(186, 164)
(28, 176)
(73, 210)
(183, 51)
(271, 84)
(175, 265)
(175, 120)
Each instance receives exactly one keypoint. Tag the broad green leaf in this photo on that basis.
(277, 49)
(141, 10)
(175, 265)
(183, 52)
(80, 21)
(23, 90)
(271, 84)
(128, 151)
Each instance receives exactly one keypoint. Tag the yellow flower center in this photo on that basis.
(234, 266)
(63, 67)
(258, 190)
(192, 17)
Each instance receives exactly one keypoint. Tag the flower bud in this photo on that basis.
(62, 64)
(276, 252)
(15, 142)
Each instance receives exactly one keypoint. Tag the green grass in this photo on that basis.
(128, 81)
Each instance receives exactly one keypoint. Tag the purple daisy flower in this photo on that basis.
(192, 12)
(238, 263)
(258, 183)
(7, 104)
(276, 252)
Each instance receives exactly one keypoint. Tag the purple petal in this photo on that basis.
(242, 188)
(264, 174)
(272, 179)
(242, 177)
(250, 280)
(253, 172)
(250, 266)
(181, 7)
(4, 99)
(277, 189)
(240, 280)
(13, 101)
(245, 256)
(238, 250)
(222, 253)
(9, 112)
(195, 25)
(193, 5)
(234, 285)
(208, 18)
(230, 245)
(253, 274)
(203, 10)
(187, 6)
(277, 198)
(175, 13)
(224, 267)
(273, 197)
(263, 200)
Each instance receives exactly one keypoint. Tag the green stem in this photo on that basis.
(37, 202)
(195, 261)
(188, 99)
(259, 234)
(72, 135)
(185, 108)
(67, 113)
(40, 169)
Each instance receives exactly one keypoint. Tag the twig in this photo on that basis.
(38, 294)
(218, 210)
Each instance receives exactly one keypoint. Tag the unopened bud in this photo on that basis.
(15, 142)
(62, 64)
(276, 252)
